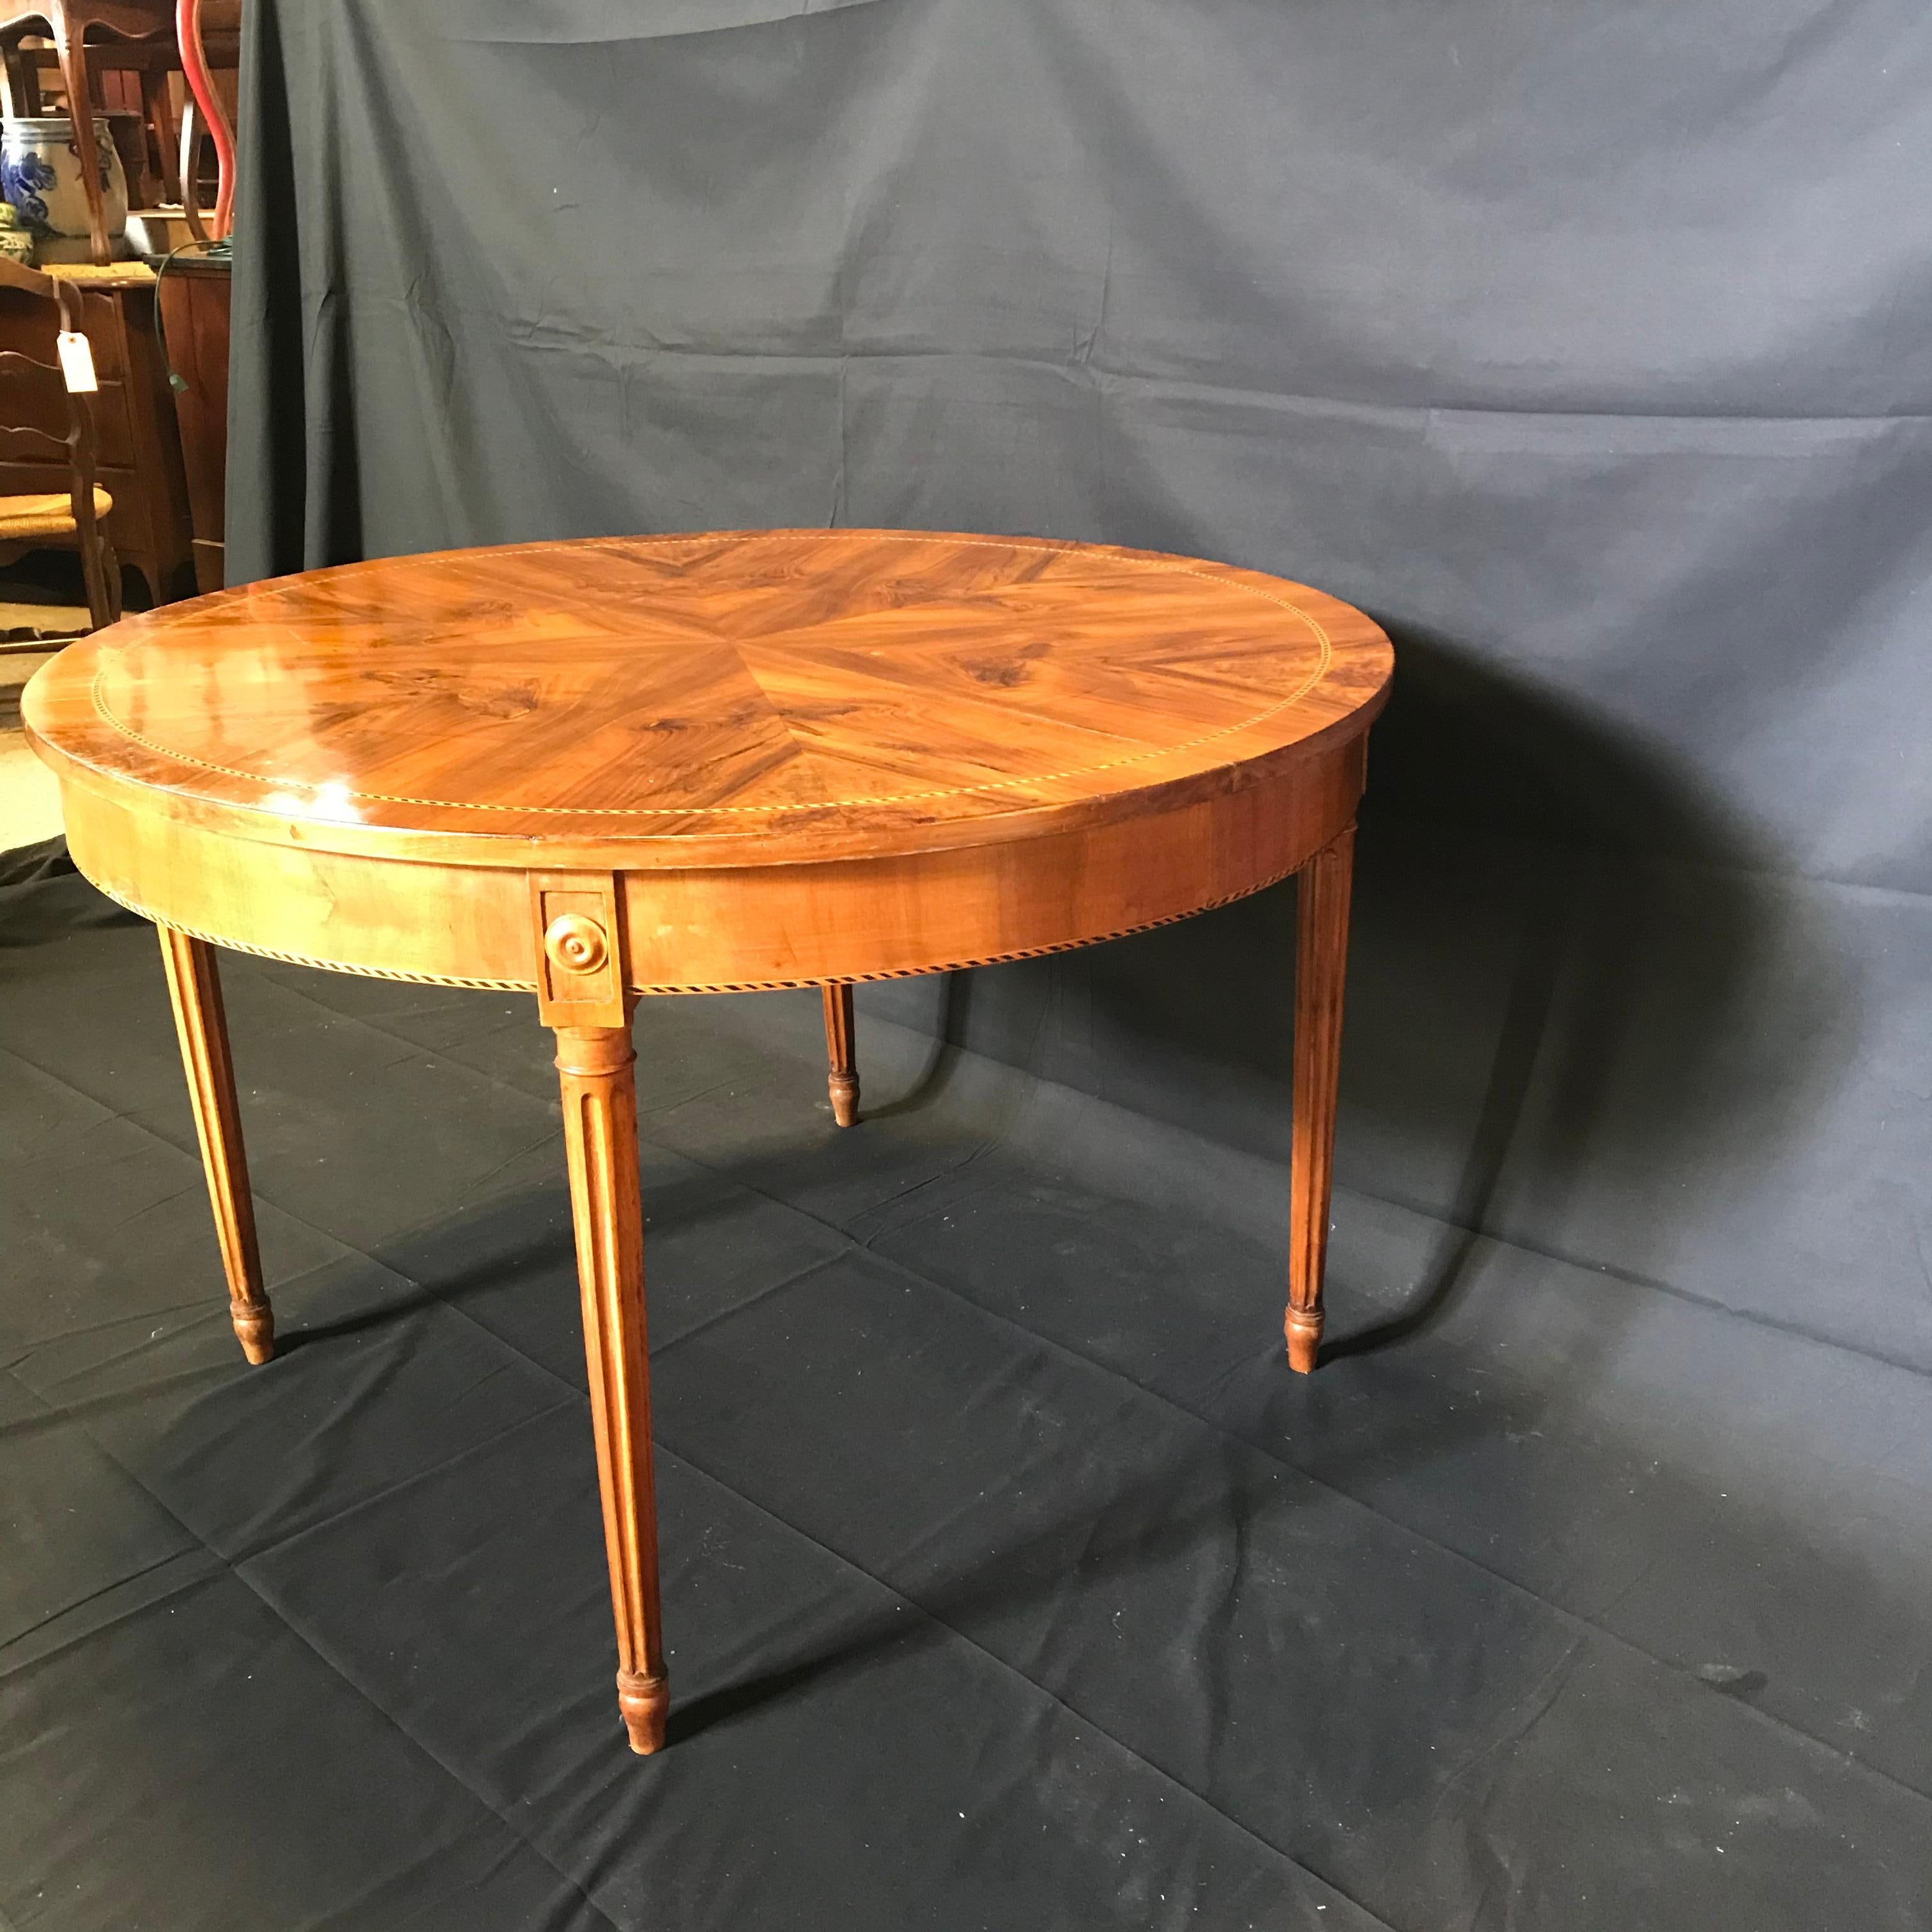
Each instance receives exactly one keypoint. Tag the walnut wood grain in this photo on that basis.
(194, 986)
(842, 1075)
(769, 699)
(595, 769)
(1321, 962)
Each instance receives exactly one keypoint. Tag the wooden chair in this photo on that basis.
(33, 397)
(163, 36)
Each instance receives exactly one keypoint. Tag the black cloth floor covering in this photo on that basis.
(1010, 1580)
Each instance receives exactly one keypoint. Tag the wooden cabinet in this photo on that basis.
(194, 314)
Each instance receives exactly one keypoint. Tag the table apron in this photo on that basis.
(738, 928)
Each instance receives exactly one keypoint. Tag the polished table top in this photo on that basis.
(763, 698)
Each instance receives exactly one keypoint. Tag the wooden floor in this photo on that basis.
(29, 799)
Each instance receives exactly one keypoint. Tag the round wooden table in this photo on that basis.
(592, 770)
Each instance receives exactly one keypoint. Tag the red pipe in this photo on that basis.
(213, 115)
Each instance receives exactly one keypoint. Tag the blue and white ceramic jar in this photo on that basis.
(40, 175)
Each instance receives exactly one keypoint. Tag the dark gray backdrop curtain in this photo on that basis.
(1589, 347)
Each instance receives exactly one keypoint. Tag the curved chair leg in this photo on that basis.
(1322, 955)
(188, 167)
(100, 573)
(195, 987)
(18, 95)
(73, 52)
(159, 111)
(94, 567)
(841, 1078)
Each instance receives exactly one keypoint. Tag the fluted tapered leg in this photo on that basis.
(841, 1078)
(596, 1067)
(195, 987)
(1322, 954)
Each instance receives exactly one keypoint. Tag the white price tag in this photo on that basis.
(76, 361)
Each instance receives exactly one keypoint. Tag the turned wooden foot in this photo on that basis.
(1321, 952)
(596, 1067)
(645, 1703)
(254, 1329)
(841, 1078)
(194, 986)
(1304, 1328)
